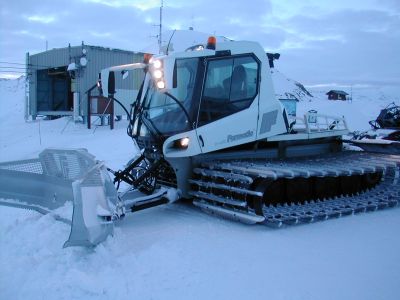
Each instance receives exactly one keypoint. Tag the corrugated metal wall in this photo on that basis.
(98, 58)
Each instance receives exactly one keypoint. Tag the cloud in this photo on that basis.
(350, 41)
(79, 21)
(140, 4)
(393, 5)
(41, 19)
(349, 46)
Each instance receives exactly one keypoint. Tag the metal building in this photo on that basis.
(59, 79)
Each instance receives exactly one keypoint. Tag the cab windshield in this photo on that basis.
(163, 111)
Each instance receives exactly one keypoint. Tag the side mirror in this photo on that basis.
(272, 57)
(125, 74)
(111, 83)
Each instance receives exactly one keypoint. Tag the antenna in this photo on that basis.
(160, 32)
(159, 35)
(169, 42)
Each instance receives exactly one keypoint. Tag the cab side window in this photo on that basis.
(230, 86)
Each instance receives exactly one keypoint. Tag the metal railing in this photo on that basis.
(313, 122)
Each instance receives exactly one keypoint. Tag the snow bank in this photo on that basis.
(177, 252)
(20, 140)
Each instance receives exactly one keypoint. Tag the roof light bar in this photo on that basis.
(211, 43)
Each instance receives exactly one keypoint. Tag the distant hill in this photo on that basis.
(381, 95)
(12, 85)
(289, 88)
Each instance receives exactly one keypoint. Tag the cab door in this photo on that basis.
(229, 102)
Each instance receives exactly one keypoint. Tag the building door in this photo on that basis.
(53, 90)
(43, 91)
(60, 93)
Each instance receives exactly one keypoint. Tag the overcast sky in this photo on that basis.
(348, 42)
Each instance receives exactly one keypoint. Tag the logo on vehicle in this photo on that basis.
(232, 138)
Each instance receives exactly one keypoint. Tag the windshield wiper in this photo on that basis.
(153, 128)
(182, 107)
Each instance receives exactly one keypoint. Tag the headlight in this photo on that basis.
(182, 143)
(157, 74)
(160, 84)
(157, 64)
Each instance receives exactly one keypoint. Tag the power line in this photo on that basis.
(7, 67)
(24, 68)
(22, 72)
(11, 63)
(15, 63)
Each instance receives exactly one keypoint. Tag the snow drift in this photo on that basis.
(176, 251)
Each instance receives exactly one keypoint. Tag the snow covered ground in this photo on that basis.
(178, 252)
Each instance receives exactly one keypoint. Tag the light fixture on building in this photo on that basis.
(83, 61)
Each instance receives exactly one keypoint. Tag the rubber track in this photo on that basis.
(237, 174)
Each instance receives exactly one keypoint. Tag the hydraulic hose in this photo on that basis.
(123, 107)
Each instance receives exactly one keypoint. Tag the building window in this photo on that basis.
(230, 86)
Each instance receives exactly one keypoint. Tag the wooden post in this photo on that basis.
(89, 94)
(89, 121)
(112, 114)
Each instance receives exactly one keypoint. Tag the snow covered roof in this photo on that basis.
(337, 92)
(85, 48)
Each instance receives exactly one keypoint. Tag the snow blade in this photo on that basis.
(94, 196)
(58, 176)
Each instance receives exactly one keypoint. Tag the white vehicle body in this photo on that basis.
(211, 130)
